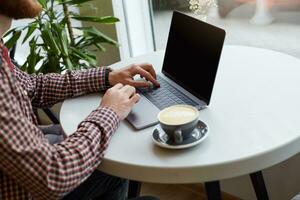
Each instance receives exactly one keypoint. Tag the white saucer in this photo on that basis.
(199, 134)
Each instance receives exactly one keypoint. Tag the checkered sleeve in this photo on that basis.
(45, 90)
(49, 171)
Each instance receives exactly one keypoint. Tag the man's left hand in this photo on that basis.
(126, 74)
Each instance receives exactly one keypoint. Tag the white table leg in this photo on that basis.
(262, 14)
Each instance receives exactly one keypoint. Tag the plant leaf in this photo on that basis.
(68, 63)
(10, 32)
(97, 36)
(49, 40)
(85, 56)
(33, 58)
(31, 29)
(62, 39)
(43, 3)
(64, 42)
(13, 40)
(74, 2)
(100, 47)
(101, 20)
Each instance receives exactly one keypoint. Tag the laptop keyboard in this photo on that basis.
(166, 95)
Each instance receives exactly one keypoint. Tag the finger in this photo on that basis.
(134, 99)
(149, 68)
(128, 90)
(143, 78)
(117, 86)
(147, 75)
(138, 84)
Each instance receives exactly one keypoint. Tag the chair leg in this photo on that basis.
(134, 189)
(259, 186)
(213, 190)
(52, 116)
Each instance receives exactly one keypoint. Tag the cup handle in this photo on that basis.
(178, 136)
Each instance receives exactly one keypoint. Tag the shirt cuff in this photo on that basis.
(105, 118)
(101, 77)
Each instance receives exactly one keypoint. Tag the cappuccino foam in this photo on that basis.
(176, 115)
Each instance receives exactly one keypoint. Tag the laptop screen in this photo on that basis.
(192, 54)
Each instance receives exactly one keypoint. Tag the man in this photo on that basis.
(32, 168)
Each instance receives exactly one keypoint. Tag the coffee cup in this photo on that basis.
(178, 121)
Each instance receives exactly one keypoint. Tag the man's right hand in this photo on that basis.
(121, 99)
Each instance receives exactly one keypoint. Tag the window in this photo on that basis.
(270, 24)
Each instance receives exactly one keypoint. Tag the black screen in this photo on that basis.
(192, 55)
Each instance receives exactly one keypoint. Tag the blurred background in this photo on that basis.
(271, 24)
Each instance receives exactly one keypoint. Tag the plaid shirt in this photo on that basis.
(31, 168)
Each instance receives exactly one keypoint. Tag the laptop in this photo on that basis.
(189, 70)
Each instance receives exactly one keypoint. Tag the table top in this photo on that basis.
(253, 123)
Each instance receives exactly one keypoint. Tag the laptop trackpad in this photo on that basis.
(143, 114)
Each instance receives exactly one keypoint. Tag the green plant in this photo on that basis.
(57, 45)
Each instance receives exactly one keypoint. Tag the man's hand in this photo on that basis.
(126, 74)
(121, 99)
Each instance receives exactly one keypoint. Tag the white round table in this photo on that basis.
(253, 122)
